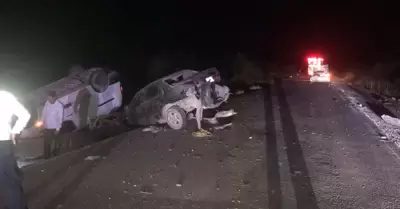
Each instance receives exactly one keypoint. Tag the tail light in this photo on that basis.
(122, 89)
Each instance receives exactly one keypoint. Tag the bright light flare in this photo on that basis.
(38, 123)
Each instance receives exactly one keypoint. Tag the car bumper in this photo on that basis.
(320, 79)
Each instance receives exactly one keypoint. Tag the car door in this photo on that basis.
(148, 108)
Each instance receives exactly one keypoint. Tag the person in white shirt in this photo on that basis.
(10, 176)
(52, 117)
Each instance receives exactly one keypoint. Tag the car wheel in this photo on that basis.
(176, 117)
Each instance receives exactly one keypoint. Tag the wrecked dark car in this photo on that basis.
(171, 98)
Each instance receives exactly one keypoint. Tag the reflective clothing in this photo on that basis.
(11, 190)
(10, 106)
(53, 115)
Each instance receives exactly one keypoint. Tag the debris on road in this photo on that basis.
(96, 157)
(153, 129)
(224, 114)
(239, 92)
(255, 87)
(383, 137)
(142, 192)
(387, 125)
(202, 133)
(220, 114)
(223, 126)
(146, 190)
(391, 120)
(211, 120)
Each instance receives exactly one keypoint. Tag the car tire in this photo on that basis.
(98, 80)
(176, 117)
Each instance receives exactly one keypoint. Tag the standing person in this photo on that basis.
(52, 117)
(204, 98)
(10, 176)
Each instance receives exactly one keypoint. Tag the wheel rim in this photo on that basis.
(174, 119)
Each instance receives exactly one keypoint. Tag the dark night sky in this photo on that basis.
(42, 40)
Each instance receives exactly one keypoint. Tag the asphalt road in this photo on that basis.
(294, 145)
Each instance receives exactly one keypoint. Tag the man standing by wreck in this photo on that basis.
(206, 97)
(52, 117)
(10, 176)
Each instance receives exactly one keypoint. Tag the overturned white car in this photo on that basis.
(171, 98)
(85, 96)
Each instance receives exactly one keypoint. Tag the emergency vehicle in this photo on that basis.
(318, 71)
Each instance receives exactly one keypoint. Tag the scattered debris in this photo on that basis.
(297, 173)
(223, 126)
(224, 114)
(96, 157)
(211, 120)
(239, 92)
(153, 129)
(198, 156)
(386, 125)
(171, 147)
(246, 182)
(202, 133)
(255, 87)
(220, 114)
(146, 190)
(384, 138)
(391, 120)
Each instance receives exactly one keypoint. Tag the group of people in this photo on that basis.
(11, 191)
